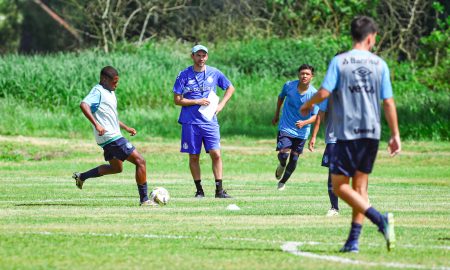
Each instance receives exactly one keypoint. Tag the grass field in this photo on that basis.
(47, 223)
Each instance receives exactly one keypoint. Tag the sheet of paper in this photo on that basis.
(209, 111)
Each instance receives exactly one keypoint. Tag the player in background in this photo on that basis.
(100, 108)
(191, 90)
(330, 141)
(294, 128)
(356, 81)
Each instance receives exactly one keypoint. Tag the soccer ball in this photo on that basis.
(160, 195)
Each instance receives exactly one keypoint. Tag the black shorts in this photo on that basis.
(354, 155)
(119, 149)
(295, 144)
(327, 154)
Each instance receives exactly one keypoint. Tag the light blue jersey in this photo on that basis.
(197, 85)
(357, 79)
(293, 100)
(325, 107)
(103, 104)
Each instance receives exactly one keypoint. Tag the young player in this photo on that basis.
(194, 87)
(294, 128)
(356, 80)
(100, 108)
(330, 141)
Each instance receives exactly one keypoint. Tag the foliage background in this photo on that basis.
(46, 70)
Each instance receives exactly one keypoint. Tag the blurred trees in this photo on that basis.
(106, 23)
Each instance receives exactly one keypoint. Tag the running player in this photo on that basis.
(330, 141)
(194, 90)
(356, 80)
(100, 108)
(294, 128)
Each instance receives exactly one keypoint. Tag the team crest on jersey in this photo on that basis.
(210, 79)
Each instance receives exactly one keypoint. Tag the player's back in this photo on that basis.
(361, 82)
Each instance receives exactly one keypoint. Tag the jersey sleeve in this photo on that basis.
(332, 76)
(323, 106)
(93, 99)
(222, 81)
(179, 84)
(284, 91)
(386, 86)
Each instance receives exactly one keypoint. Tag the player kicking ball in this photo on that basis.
(100, 108)
(355, 81)
(294, 128)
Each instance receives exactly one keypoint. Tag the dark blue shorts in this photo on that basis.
(327, 154)
(295, 144)
(119, 149)
(193, 136)
(354, 155)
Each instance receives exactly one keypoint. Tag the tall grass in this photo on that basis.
(40, 94)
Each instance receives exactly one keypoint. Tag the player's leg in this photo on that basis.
(141, 176)
(191, 143)
(334, 209)
(283, 148)
(211, 141)
(296, 151)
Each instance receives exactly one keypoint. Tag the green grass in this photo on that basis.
(47, 223)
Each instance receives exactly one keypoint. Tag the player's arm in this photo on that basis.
(316, 99)
(301, 124)
(86, 109)
(312, 141)
(179, 100)
(277, 111)
(390, 112)
(130, 130)
(228, 93)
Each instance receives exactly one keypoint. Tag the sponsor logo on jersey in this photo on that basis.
(362, 76)
(364, 130)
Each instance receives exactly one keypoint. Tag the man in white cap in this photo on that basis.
(194, 90)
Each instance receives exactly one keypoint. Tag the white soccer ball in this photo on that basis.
(160, 195)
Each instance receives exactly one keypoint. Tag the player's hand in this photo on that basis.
(202, 102)
(300, 124)
(275, 120)
(394, 145)
(219, 108)
(101, 130)
(304, 109)
(312, 142)
(132, 131)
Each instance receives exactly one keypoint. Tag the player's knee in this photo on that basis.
(117, 169)
(140, 162)
(194, 158)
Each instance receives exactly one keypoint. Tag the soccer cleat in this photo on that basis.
(279, 171)
(199, 194)
(332, 212)
(78, 180)
(222, 194)
(281, 186)
(352, 247)
(389, 232)
(149, 203)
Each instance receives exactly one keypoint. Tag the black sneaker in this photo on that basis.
(199, 194)
(222, 194)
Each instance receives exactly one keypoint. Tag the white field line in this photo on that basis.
(293, 248)
(290, 247)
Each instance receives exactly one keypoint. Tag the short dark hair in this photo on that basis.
(109, 72)
(306, 66)
(361, 27)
